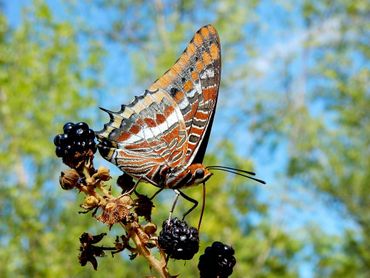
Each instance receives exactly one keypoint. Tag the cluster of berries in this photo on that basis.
(217, 261)
(77, 138)
(181, 242)
(178, 240)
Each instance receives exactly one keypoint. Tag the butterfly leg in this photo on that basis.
(186, 197)
(174, 203)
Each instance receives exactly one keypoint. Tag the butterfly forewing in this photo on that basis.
(169, 125)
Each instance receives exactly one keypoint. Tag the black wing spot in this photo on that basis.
(173, 91)
(191, 69)
(183, 80)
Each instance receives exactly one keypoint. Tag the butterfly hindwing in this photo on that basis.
(144, 135)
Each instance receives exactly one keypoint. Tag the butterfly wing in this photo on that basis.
(193, 82)
(170, 124)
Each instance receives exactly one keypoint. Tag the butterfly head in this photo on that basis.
(199, 173)
(195, 174)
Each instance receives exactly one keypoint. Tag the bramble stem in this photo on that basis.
(133, 229)
(158, 265)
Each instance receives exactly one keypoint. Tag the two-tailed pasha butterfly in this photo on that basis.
(162, 135)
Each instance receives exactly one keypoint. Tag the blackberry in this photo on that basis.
(67, 128)
(217, 261)
(178, 240)
(77, 138)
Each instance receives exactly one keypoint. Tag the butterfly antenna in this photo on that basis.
(235, 171)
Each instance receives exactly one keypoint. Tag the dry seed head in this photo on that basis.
(102, 174)
(114, 211)
(69, 179)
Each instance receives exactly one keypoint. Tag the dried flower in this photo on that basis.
(115, 211)
(102, 174)
(88, 251)
(69, 179)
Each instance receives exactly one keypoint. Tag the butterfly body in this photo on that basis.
(162, 135)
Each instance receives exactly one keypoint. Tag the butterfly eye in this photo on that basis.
(199, 173)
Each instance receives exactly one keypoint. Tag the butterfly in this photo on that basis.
(161, 136)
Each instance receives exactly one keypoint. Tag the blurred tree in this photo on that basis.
(313, 107)
(42, 80)
(320, 119)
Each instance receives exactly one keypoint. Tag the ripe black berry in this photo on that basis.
(77, 138)
(178, 240)
(67, 128)
(59, 151)
(217, 261)
(81, 125)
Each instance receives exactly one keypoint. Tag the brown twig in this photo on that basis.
(136, 232)
(130, 224)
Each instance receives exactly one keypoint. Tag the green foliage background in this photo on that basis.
(298, 108)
